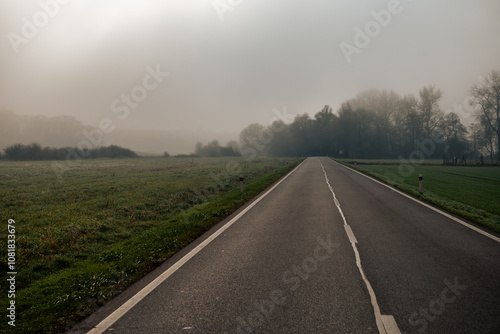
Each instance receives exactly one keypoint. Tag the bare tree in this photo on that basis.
(429, 108)
(385, 105)
(475, 139)
(486, 98)
(481, 140)
(412, 120)
(455, 134)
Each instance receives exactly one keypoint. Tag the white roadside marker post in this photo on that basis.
(241, 185)
(420, 183)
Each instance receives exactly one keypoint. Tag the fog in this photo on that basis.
(159, 76)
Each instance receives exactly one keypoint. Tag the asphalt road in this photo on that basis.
(290, 264)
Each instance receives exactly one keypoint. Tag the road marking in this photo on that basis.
(350, 234)
(119, 312)
(390, 324)
(379, 318)
(460, 221)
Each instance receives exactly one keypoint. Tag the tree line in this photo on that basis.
(383, 124)
(214, 149)
(35, 151)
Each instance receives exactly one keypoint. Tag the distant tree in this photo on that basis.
(412, 121)
(356, 131)
(233, 144)
(324, 122)
(345, 134)
(486, 98)
(198, 149)
(112, 151)
(455, 135)
(373, 124)
(474, 130)
(166, 154)
(385, 140)
(303, 135)
(481, 141)
(24, 152)
(489, 137)
(227, 151)
(231, 149)
(430, 111)
(249, 137)
(214, 149)
(35, 151)
(282, 144)
(14, 152)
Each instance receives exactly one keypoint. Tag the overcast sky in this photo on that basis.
(231, 65)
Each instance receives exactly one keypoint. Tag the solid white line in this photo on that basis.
(354, 241)
(464, 223)
(119, 312)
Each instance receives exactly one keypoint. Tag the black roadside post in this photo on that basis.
(241, 185)
(420, 183)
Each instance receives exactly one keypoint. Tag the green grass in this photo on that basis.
(391, 161)
(470, 192)
(84, 238)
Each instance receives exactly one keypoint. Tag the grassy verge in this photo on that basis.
(469, 192)
(88, 243)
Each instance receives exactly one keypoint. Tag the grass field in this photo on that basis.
(471, 192)
(388, 161)
(82, 239)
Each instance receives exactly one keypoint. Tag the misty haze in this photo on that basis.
(251, 166)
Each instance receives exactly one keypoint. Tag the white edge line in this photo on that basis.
(464, 223)
(129, 304)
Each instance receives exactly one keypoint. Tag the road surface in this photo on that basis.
(327, 250)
